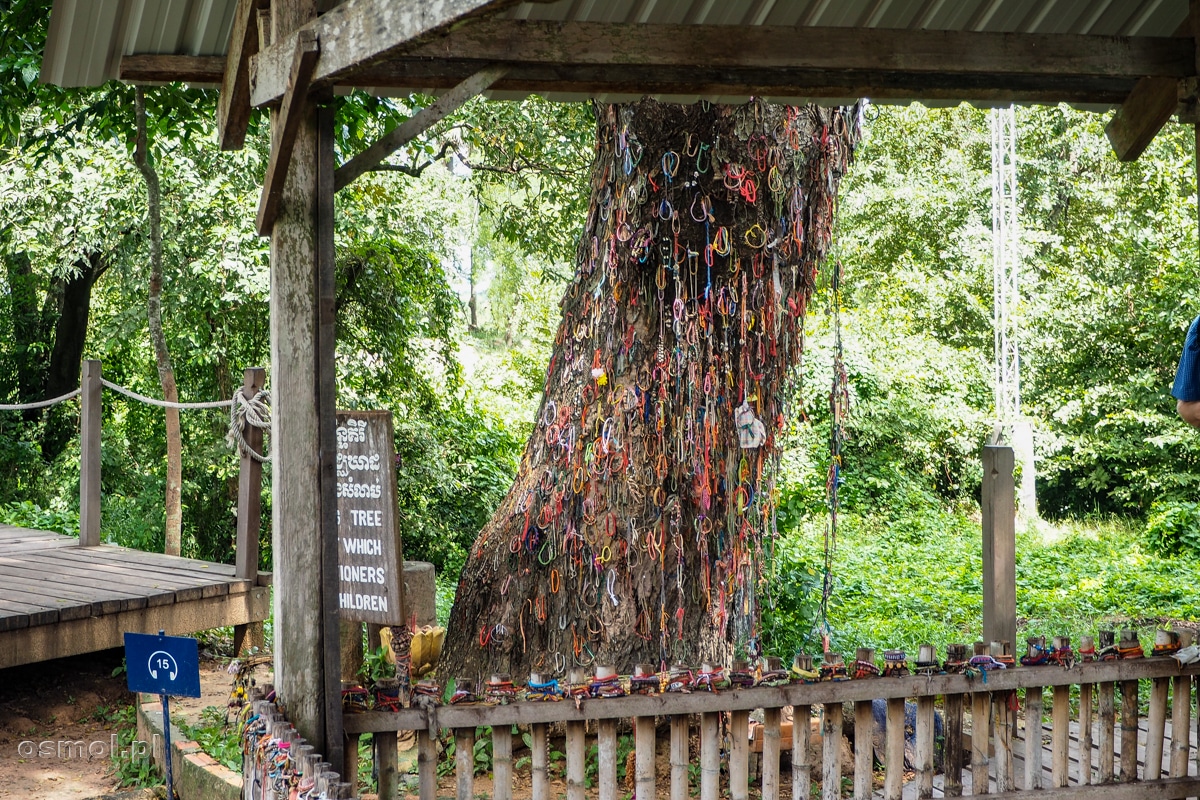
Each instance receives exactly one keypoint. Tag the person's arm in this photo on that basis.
(1189, 410)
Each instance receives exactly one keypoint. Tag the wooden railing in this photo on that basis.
(988, 764)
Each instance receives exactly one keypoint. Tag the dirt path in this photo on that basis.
(59, 722)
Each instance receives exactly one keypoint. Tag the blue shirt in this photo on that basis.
(1187, 379)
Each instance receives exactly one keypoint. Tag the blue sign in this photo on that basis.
(158, 664)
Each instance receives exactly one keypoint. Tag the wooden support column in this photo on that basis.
(540, 763)
(679, 757)
(999, 546)
(981, 709)
(1129, 732)
(427, 763)
(502, 764)
(415, 125)
(770, 755)
(300, 671)
(1061, 731)
(710, 756)
(1085, 735)
(831, 746)
(327, 427)
(954, 745)
(644, 746)
(801, 751)
(233, 106)
(864, 724)
(924, 747)
(1033, 737)
(606, 746)
(1139, 119)
(1181, 724)
(464, 762)
(893, 750)
(249, 510)
(576, 762)
(90, 424)
(1108, 721)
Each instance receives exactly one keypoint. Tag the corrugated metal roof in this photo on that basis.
(88, 37)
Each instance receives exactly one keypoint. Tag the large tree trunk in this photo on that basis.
(162, 356)
(69, 304)
(636, 527)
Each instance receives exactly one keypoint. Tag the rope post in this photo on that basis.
(89, 455)
(249, 511)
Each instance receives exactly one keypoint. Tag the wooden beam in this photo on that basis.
(284, 129)
(366, 36)
(415, 125)
(90, 427)
(409, 74)
(154, 68)
(233, 106)
(1139, 119)
(359, 33)
(786, 47)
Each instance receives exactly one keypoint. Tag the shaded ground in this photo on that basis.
(60, 721)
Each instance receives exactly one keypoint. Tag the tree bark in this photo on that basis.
(636, 528)
(162, 356)
(68, 304)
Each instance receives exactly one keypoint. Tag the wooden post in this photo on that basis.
(576, 766)
(954, 745)
(644, 744)
(351, 652)
(606, 745)
(893, 758)
(801, 752)
(981, 708)
(864, 722)
(464, 763)
(1061, 731)
(387, 764)
(739, 756)
(90, 424)
(502, 764)
(327, 425)
(831, 758)
(427, 763)
(540, 763)
(1085, 734)
(679, 757)
(1033, 737)
(1181, 725)
(1108, 721)
(770, 757)
(1156, 729)
(710, 756)
(1129, 731)
(923, 751)
(1004, 753)
(300, 656)
(999, 546)
(249, 510)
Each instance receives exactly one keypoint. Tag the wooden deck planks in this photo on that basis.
(47, 578)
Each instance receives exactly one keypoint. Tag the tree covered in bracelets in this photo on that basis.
(638, 523)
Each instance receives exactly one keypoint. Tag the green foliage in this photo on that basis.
(129, 770)
(902, 581)
(215, 737)
(376, 665)
(1173, 527)
(482, 758)
(25, 514)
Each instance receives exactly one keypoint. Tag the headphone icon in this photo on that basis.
(161, 659)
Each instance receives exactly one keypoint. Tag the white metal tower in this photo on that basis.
(1013, 428)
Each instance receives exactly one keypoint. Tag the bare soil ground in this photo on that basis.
(59, 722)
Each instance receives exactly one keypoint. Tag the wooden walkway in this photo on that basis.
(60, 599)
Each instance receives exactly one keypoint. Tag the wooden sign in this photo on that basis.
(369, 551)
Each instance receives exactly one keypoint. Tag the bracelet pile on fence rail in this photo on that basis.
(958, 724)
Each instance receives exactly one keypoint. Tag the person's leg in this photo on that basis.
(1189, 410)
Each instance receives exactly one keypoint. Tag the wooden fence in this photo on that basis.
(1094, 748)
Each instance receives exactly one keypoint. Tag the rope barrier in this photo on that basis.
(164, 403)
(255, 412)
(39, 403)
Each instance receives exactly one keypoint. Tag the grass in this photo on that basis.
(900, 582)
